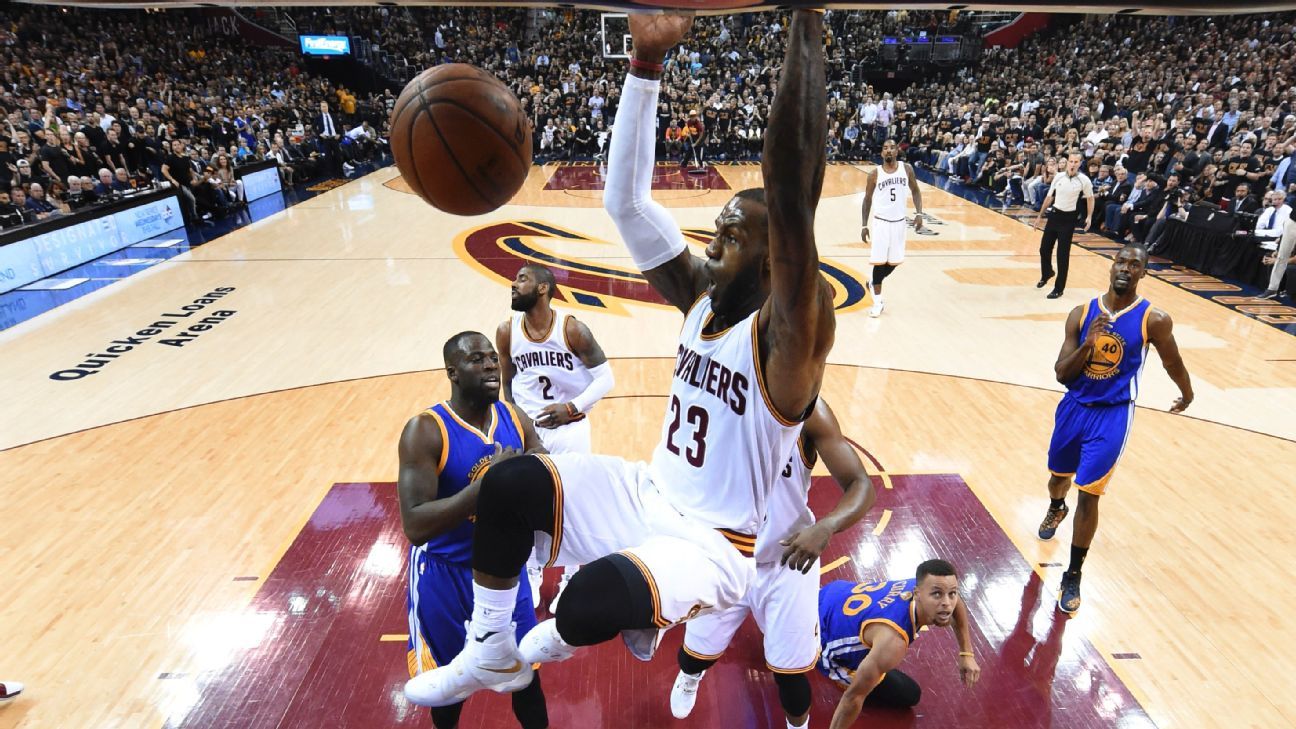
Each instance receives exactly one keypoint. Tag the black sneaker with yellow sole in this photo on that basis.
(1069, 595)
(1052, 520)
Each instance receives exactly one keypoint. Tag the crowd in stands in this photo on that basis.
(718, 88)
(98, 104)
(1165, 111)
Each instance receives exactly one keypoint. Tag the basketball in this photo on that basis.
(461, 139)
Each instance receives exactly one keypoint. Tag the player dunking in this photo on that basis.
(785, 596)
(665, 542)
(1101, 372)
(555, 372)
(444, 451)
(886, 196)
(867, 628)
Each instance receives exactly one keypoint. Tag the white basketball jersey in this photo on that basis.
(891, 194)
(788, 509)
(721, 444)
(545, 370)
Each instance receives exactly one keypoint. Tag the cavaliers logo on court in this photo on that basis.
(499, 249)
(1106, 357)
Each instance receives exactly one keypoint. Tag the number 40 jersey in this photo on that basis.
(722, 444)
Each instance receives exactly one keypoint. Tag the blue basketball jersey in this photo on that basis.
(1112, 374)
(465, 454)
(847, 608)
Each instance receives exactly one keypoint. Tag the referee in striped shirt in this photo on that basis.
(1061, 207)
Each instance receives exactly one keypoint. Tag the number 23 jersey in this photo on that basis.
(722, 445)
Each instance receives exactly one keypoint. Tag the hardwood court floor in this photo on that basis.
(147, 502)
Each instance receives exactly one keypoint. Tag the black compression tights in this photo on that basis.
(881, 271)
(605, 597)
(516, 501)
(794, 688)
(897, 690)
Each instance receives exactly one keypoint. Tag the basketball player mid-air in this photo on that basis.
(664, 542)
(444, 451)
(1101, 363)
(784, 599)
(556, 372)
(867, 628)
(886, 196)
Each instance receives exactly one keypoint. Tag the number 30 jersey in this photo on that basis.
(546, 370)
(722, 445)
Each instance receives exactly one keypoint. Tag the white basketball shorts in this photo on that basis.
(607, 504)
(888, 240)
(785, 604)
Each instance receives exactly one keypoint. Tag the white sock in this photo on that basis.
(493, 609)
(798, 726)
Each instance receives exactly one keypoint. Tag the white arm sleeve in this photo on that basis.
(649, 232)
(602, 385)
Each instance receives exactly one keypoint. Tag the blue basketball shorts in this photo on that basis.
(1088, 442)
(440, 602)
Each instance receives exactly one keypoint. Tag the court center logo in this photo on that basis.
(1106, 358)
(498, 250)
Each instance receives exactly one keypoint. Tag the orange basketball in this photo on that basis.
(461, 139)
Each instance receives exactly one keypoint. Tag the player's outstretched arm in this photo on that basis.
(843, 462)
(798, 316)
(888, 649)
(650, 233)
(1161, 332)
(969, 670)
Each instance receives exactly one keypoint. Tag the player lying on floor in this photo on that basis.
(866, 629)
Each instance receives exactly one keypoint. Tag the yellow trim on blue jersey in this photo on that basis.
(882, 621)
(1103, 308)
(489, 437)
(1146, 314)
(445, 439)
(517, 423)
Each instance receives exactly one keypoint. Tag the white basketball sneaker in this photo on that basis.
(9, 689)
(878, 305)
(489, 661)
(562, 585)
(542, 644)
(684, 694)
(535, 575)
